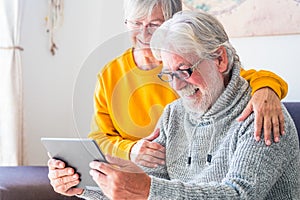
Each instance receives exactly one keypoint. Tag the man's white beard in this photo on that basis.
(210, 92)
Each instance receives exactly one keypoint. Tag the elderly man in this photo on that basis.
(208, 153)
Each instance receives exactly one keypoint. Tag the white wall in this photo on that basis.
(49, 80)
(93, 25)
(278, 54)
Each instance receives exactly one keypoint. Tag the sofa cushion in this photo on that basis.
(27, 183)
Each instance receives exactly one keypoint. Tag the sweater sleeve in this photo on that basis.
(254, 168)
(103, 130)
(262, 78)
(92, 195)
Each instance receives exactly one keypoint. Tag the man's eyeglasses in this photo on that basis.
(181, 74)
(136, 25)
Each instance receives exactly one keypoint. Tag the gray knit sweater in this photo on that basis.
(238, 168)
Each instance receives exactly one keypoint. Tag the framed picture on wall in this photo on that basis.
(244, 18)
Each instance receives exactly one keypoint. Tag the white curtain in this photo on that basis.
(11, 101)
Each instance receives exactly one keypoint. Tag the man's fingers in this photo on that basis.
(64, 180)
(97, 176)
(67, 189)
(102, 167)
(56, 164)
(52, 174)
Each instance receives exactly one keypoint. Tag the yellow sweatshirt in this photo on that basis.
(129, 101)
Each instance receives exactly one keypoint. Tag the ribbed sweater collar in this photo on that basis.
(234, 92)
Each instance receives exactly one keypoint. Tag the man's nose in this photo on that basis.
(178, 84)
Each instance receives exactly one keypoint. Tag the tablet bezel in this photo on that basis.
(76, 153)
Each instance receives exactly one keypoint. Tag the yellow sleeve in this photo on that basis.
(103, 130)
(262, 78)
(127, 104)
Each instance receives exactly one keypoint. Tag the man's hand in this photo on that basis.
(268, 114)
(148, 153)
(121, 179)
(63, 179)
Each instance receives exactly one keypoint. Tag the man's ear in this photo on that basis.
(222, 60)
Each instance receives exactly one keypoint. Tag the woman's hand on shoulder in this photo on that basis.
(266, 106)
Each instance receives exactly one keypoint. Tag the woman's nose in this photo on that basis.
(144, 29)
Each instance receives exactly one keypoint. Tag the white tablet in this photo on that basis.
(76, 153)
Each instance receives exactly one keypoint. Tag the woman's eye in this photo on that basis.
(138, 23)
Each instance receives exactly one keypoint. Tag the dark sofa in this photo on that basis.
(294, 110)
(27, 183)
(31, 182)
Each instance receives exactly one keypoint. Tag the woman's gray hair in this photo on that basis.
(193, 34)
(137, 9)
